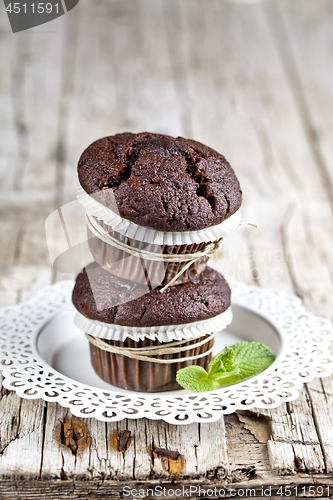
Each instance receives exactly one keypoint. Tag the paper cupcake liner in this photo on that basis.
(144, 271)
(140, 233)
(135, 375)
(165, 333)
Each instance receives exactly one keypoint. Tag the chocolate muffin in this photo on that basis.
(127, 303)
(103, 297)
(160, 182)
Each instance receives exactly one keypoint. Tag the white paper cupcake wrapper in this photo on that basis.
(140, 233)
(161, 333)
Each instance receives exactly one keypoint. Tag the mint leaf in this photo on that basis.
(222, 362)
(233, 364)
(252, 357)
(249, 359)
(196, 379)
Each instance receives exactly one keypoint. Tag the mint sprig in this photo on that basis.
(233, 364)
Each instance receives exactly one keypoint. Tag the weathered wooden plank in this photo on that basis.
(268, 487)
(321, 394)
(300, 39)
(292, 458)
(282, 457)
(295, 445)
(8, 134)
(73, 447)
(90, 449)
(247, 451)
(29, 98)
(22, 282)
(305, 44)
(21, 432)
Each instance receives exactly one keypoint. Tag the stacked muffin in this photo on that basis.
(157, 207)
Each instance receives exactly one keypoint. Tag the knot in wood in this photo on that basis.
(73, 435)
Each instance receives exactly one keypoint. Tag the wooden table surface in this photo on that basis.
(255, 82)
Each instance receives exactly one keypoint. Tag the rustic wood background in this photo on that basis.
(255, 82)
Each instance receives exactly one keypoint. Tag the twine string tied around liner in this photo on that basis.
(98, 231)
(209, 249)
(148, 353)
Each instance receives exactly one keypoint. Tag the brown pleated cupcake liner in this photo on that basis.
(144, 271)
(145, 376)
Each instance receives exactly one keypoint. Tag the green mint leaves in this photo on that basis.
(235, 363)
(196, 379)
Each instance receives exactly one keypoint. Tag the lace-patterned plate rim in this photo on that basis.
(303, 355)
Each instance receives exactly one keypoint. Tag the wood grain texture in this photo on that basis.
(252, 81)
(305, 486)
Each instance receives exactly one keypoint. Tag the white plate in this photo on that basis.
(65, 349)
(43, 355)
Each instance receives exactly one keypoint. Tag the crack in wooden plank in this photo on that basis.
(43, 439)
(15, 422)
(323, 450)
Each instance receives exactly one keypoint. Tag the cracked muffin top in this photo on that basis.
(103, 297)
(160, 182)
